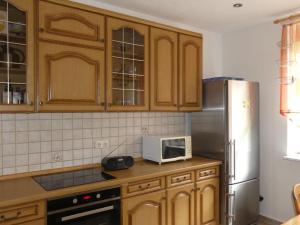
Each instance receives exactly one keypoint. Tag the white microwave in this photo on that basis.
(162, 149)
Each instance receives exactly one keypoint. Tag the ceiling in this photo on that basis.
(214, 15)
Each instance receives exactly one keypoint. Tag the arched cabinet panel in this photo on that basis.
(163, 70)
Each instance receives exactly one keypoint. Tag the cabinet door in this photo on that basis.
(70, 25)
(207, 202)
(190, 75)
(70, 78)
(17, 56)
(180, 201)
(163, 79)
(147, 209)
(127, 66)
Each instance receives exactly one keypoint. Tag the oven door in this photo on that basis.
(100, 214)
(173, 148)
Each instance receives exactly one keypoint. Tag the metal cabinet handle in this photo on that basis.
(41, 103)
(102, 40)
(4, 218)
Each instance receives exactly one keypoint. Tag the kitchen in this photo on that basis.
(124, 78)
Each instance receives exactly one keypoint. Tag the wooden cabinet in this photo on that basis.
(70, 25)
(31, 214)
(207, 202)
(190, 74)
(17, 56)
(163, 82)
(70, 78)
(147, 209)
(127, 66)
(180, 204)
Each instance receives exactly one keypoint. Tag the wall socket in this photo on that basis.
(102, 144)
(57, 157)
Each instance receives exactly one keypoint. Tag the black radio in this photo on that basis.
(117, 162)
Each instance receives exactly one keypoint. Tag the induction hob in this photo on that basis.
(73, 178)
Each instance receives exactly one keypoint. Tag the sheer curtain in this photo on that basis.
(290, 72)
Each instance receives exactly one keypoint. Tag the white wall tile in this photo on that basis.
(28, 141)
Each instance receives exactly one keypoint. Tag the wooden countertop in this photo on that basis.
(23, 190)
(293, 221)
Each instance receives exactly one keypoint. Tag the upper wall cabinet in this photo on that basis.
(127, 66)
(190, 75)
(16, 56)
(70, 78)
(70, 25)
(163, 83)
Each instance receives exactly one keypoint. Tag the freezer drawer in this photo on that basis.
(243, 203)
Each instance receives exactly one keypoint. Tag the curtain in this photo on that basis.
(290, 72)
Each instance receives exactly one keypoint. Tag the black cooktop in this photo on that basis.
(73, 178)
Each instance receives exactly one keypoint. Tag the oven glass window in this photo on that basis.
(172, 148)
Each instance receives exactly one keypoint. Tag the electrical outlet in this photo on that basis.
(102, 144)
(57, 156)
(145, 130)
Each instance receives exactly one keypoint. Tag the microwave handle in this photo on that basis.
(86, 213)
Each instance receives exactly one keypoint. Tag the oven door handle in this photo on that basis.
(87, 213)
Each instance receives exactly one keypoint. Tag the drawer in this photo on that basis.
(179, 179)
(207, 173)
(22, 213)
(144, 186)
(57, 23)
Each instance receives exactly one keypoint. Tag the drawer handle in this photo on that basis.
(4, 218)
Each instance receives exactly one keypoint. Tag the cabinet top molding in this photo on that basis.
(122, 16)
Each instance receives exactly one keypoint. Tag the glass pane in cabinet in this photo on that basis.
(117, 49)
(139, 67)
(3, 52)
(129, 97)
(17, 33)
(117, 97)
(128, 51)
(3, 72)
(117, 35)
(139, 52)
(17, 53)
(138, 38)
(3, 31)
(128, 66)
(128, 35)
(5, 93)
(17, 73)
(128, 82)
(139, 82)
(16, 15)
(117, 65)
(3, 10)
(18, 94)
(139, 97)
(117, 81)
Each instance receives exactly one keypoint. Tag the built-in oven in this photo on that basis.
(93, 208)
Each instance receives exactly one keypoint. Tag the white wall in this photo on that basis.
(212, 42)
(253, 54)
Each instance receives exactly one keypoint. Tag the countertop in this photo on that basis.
(293, 221)
(25, 189)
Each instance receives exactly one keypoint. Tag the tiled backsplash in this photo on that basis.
(30, 142)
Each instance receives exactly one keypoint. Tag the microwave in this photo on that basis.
(163, 149)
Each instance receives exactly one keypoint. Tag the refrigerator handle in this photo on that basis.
(230, 207)
(234, 152)
(228, 161)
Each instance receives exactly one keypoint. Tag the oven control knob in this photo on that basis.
(75, 200)
(98, 196)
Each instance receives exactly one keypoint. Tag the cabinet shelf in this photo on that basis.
(132, 59)
(127, 43)
(121, 89)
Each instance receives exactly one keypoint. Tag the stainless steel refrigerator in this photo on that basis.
(228, 129)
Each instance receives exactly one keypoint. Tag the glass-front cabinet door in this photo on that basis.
(127, 66)
(16, 55)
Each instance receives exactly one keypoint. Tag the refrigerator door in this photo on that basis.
(243, 203)
(242, 152)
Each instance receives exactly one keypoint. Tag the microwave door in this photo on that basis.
(173, 148)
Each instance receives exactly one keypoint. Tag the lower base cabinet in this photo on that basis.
(181, 205)
(207, 202)
(35, 222)
(147, 209)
